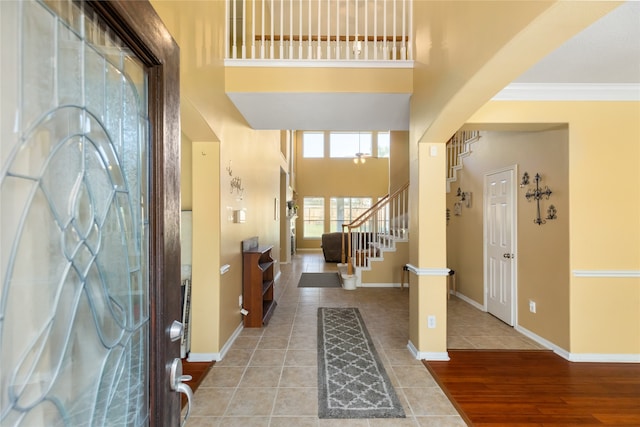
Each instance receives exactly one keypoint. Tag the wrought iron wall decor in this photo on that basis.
(465, 196)
(537, 194)
(236, 183)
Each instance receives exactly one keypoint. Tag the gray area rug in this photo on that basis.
(319, 280)
(352, 382)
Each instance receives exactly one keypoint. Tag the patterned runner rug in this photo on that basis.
(352, 382)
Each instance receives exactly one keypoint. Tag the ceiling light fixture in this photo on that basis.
(360, 156)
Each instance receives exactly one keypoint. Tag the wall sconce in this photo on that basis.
(537, 194)
(464, 197)
(525, 180)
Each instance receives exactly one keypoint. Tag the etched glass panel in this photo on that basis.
(74, 293)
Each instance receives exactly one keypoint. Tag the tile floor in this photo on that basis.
(269, 376)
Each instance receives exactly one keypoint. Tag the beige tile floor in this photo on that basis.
(269, 376)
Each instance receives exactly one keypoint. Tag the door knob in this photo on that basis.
(506, 256)
(175, 331)
(176, 382)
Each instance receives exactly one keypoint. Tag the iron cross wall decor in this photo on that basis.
(537, 194)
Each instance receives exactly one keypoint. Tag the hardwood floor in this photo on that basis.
(197, 370)
(538, 388)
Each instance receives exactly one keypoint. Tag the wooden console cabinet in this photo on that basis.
(257, 286)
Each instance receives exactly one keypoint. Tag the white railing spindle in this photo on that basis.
(366, 30)
(253, 29)
(244, 29)
(261, 32)
(271, 32)
(319, 45)
(234, 47)
(385, 47)
(290, 29)
(281, 47)
(328, 29)
(375, 29)
(300, 32)
(309, 47)
(337, 29)
(356, 41)
(403, 49)
(366, 34)
(410, 41)
(346, 18)
(394, 45)
(226, 39)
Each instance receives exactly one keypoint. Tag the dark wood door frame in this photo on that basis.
(142, 30)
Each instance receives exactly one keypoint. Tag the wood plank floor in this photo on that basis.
(538, 388)
(197, 370)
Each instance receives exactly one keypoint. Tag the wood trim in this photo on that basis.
(314, 38)
(142, 30)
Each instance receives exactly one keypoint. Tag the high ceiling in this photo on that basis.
(606, 52)
(605, 56)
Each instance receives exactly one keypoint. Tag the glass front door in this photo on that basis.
(74, 252)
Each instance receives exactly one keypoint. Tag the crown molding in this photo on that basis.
(569, 92)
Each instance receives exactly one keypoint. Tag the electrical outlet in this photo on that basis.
(532, 306)
(240, 300)
(431, 322)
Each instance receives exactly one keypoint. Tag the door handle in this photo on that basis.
(176, 382)
(508, 256)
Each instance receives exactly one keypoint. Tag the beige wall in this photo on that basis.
(604, 216)
(185, 173)
(542, 253)
(399, 164)
(466, 51)
(336, 178)
(253, 156)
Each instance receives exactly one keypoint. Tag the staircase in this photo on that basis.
(377, 242)
(458, 147)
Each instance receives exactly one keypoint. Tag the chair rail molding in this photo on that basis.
(606, 273)
(428, 271)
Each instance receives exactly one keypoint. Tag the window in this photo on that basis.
(312, 144)
(384, 144)
(347, 144)
(343, 210)
(313, 217)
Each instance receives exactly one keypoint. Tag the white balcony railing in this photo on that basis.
(320, 29)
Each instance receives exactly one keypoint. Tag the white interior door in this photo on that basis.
(499, 243)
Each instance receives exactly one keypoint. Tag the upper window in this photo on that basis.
(312, 144)
(347, 144)
(313, 217)
(384, 144)
(343, 210)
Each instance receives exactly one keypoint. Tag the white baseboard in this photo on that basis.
(604, 358)
(379, 285)
(580, 357)
(201, 357)
(210, 357)
(470, 301)
(427, 355)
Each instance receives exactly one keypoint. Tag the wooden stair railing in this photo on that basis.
(376, 228)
